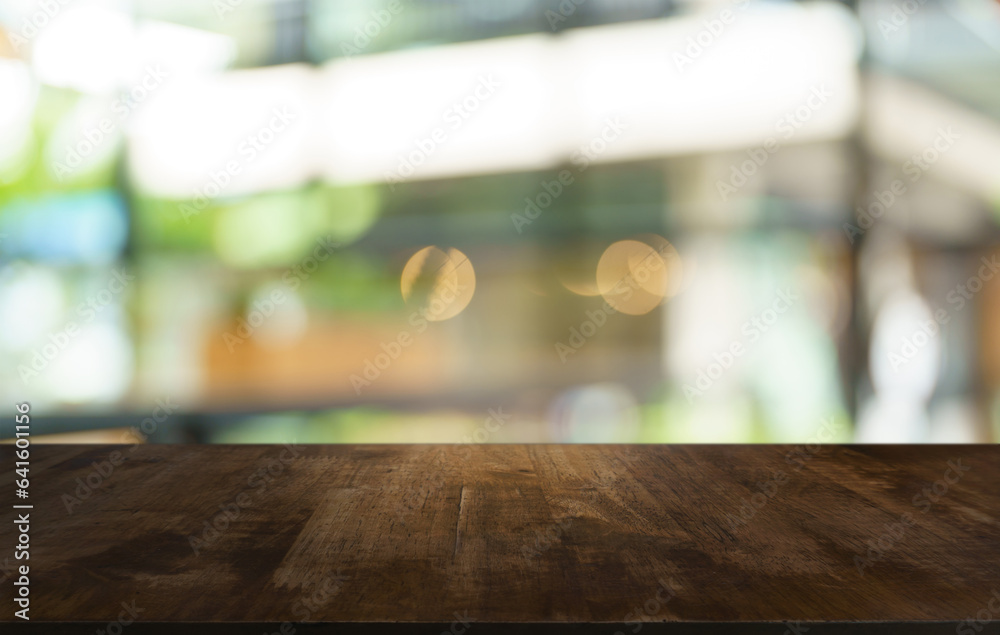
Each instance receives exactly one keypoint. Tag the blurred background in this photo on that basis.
(523, 221)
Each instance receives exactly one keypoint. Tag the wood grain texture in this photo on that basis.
(677, 536)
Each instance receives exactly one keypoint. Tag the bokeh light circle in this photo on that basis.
(440, 284)
(635, 277)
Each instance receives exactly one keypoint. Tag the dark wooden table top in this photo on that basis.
(445, 538)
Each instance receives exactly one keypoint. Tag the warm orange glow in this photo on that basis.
(635, 277)
(441, 284)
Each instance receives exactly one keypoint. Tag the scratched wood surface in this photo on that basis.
(511, 533)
